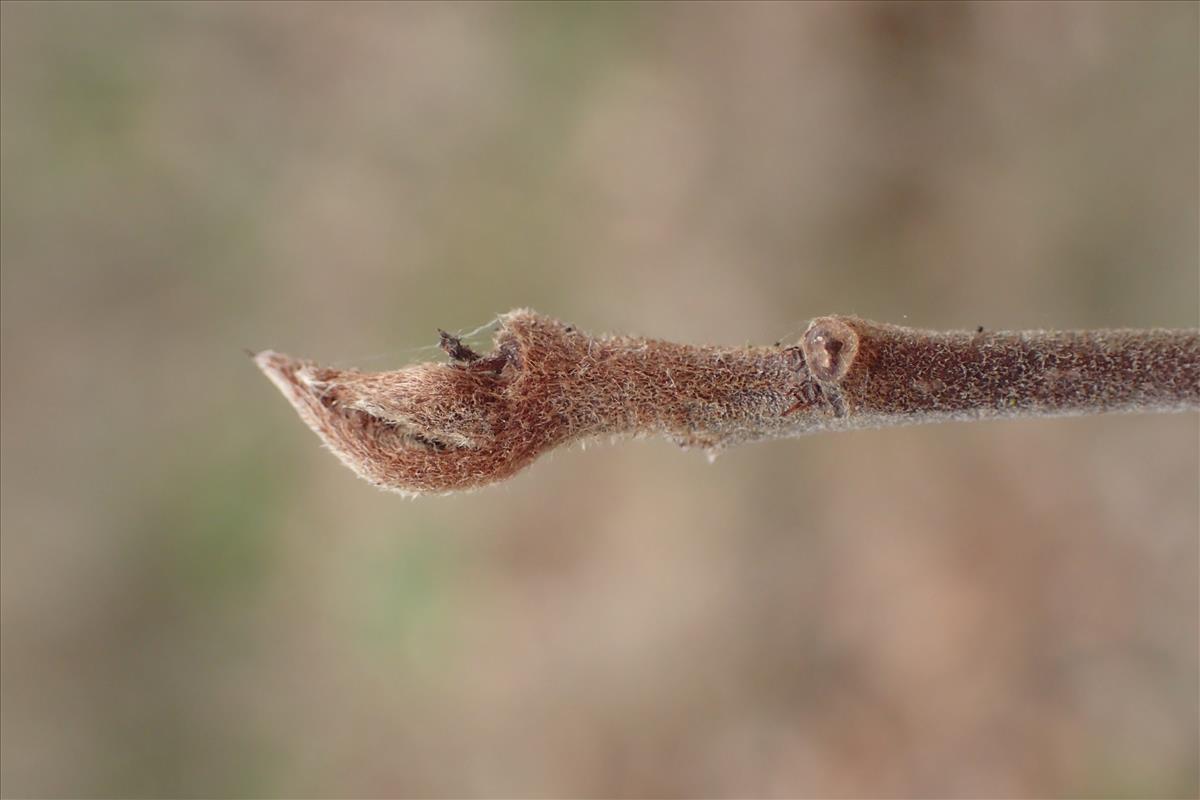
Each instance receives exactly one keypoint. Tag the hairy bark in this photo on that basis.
(481, 418)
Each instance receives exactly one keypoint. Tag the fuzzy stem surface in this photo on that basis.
(478, 419)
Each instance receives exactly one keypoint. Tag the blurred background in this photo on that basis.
(199, 601)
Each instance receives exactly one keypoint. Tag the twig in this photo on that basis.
(482, 418)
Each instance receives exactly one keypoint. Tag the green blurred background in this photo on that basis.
(199, 601)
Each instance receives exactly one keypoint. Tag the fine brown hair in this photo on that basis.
(480, 418)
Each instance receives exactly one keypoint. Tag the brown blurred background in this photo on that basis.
(199, 601)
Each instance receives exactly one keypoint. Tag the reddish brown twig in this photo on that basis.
(480, 419)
